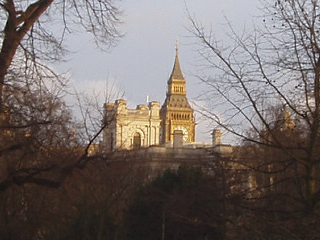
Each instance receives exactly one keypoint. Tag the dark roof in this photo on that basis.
(177, 101)
(176, 71)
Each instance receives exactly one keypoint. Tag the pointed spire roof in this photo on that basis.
(176, 71)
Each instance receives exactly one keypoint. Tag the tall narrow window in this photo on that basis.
(136, 141)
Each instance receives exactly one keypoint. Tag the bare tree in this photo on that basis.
(276, 64)
(34, 119)
(28, 30)
(37, 130)
(41, 143)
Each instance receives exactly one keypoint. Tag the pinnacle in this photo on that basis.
(176, 72)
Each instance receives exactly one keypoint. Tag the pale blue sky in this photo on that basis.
(142, 61)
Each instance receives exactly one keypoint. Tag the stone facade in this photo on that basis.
(148, 125)
(131, 128)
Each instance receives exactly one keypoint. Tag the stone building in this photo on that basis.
(131, 128)
(147, 125)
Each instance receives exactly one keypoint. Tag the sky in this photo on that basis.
(141, 63)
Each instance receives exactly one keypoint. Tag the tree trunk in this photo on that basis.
(16, 28)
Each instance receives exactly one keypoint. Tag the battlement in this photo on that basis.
(131, 128)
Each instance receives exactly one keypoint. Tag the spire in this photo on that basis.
(176, 71)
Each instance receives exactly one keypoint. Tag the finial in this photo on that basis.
(177, 45)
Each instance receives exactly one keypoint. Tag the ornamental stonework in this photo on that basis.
(148, 125)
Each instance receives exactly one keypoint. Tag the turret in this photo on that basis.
(216, 137)
(121, 106)
(154, 109)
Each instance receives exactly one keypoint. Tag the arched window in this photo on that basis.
(136, 141)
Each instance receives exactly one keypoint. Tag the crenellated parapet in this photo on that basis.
(131, 128)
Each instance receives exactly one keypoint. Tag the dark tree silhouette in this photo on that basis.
(186, 204)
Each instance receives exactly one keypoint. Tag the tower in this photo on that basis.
(176, 113)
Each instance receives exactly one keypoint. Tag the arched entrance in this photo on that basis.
(136, 141)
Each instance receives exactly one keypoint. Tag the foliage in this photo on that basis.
(182, 204)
